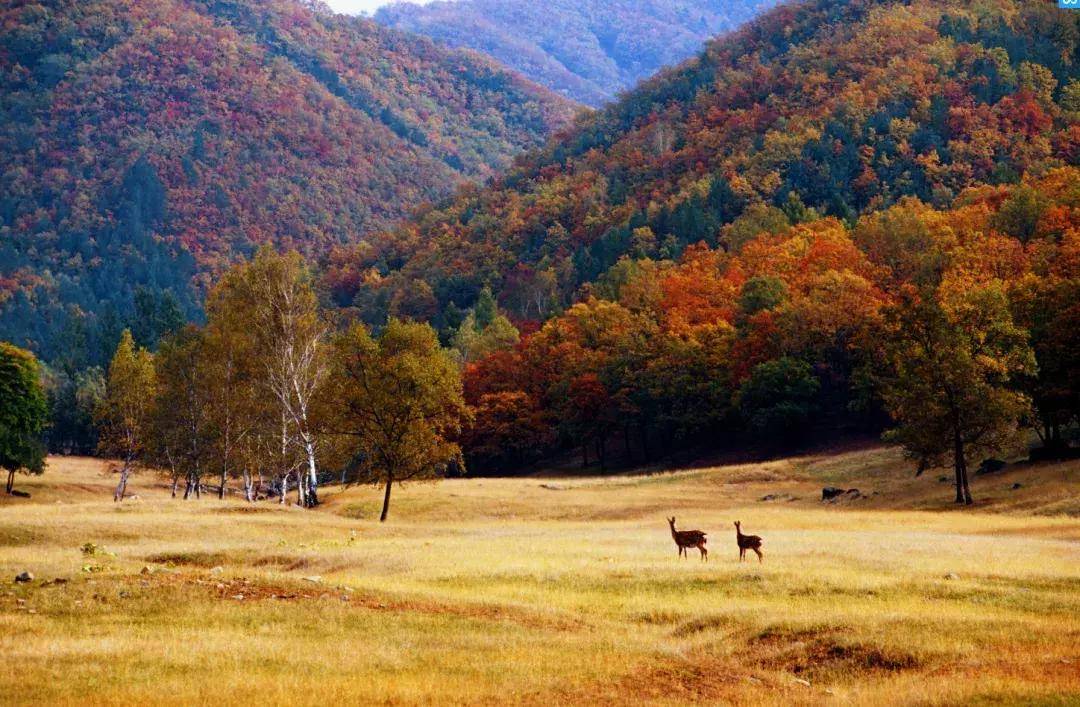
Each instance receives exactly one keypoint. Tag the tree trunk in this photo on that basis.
(224, 475)
(313, 476)
(601, 452)
(963, 493)
(175, 482)
(121, 487)
(645, 442)
(284, 488)
(10, 481)
(386, 498)
(967, 491)
(626, 442)
(584, 455)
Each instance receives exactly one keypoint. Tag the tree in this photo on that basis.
(288, 338)
(73, 398)
(398, 399)
(951, 366)
(241, 414)
(23, 413)
(777, 400)
(124, 413)
(179, 427)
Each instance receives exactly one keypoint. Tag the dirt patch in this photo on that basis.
(693, 678)
(189, 559)
(288, 563)
(243, 589)
(246, 510)
(820, 654)
(701, 625)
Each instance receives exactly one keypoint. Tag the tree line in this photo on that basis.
(954, 331)
(269, 394)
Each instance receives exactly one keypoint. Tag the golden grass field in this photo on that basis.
(549, 590)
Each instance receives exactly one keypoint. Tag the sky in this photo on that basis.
(353, 7)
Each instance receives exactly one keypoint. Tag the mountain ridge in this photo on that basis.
(588, 50)
(148, 144)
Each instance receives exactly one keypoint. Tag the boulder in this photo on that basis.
(830, 492)
(989, 466)
(24, 577)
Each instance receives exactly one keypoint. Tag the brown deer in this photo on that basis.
(688, 538)
(747, 542)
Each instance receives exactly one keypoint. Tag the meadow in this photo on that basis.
(549, 590)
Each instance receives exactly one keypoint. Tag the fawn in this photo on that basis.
(688, 538)
(747, 542)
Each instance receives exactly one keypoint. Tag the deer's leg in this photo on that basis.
(742, 553)
(704, 553)
(759, 555)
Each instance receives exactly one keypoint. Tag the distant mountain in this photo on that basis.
(842, 107)
(588, 50)
(143, 143)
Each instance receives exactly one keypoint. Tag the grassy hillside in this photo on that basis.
(147, 143)
(587, 50)
(549, 589)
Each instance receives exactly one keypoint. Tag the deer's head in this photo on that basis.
(737, 525)
(671, 522)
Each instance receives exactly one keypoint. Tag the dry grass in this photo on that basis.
(550, 591)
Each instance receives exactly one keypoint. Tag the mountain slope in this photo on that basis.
(843, 107)
(145, 143)
(585, 49)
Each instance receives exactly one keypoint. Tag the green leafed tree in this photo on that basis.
(777, 401)
(397, 400)
(23, 413)
(124, 413)
(952, 366)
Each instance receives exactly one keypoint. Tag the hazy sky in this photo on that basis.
(353, 7)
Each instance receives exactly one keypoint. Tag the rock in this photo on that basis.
(238, 597)
(146, 570)
(1017, 485)
(217, 570)
(23, 577)
(314, 579)
(989, 466)
(830, 492)
(952, 575)
(943, 479)
(829, 691)
(553, 487)
(804, 683)
(754, 680)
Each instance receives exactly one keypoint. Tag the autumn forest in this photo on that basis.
(540, 352)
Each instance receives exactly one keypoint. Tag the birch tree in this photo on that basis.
(289, 340)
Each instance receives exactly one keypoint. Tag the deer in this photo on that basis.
(688, 538)
(747, 542)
